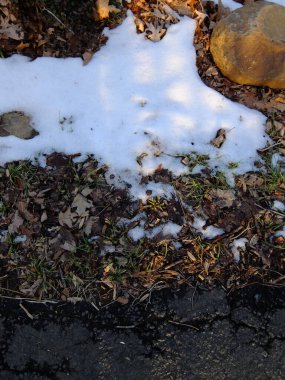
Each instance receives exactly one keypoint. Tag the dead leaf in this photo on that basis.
(140, 25)
(22, 46)
(153, 33)
(31, 291)
(219, 139)
(81, 204)
(87, 56)
(69, 246)
(211, 71)
(13, 31)
(67, 218)
(122, 300)
(280, 99)
(200, 17)
(66, 239)
(103, 9)
(222, 198)
(17, 221)
(44, 217)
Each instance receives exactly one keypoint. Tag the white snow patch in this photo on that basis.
(171, 229)
(277, 205)
(230, 4)
(237, 246)
(177, 245)
(280, 233)
(167, 229)
(134, 97)
(209, 232)
(276, 160)
(124, 222)
(136, 233)
(3, 235)
(20, 239)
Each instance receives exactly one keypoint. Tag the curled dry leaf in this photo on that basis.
(200, 17)
(140, 25)
(81, 204)
(220, 138)
(153, 33)
(87, 56)
(251, 181)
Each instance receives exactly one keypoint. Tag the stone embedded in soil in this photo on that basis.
(17, 124)
(249, 45)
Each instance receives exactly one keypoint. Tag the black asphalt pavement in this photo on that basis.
(188, 334)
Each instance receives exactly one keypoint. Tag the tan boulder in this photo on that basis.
(248, 45)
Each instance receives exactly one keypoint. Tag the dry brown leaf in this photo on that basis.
(69, 246)
(87, 56)
(122, 300)
(280, 99)
(200, 17)
(81, 204)
(219, 139)
(222, 198)
(67, 218)
(22, 45)
(272, 104)
(103, 9)
(211, 71)
(12, 31)
(140, 25)
(155, 34)
(17, 221)
(31, 291)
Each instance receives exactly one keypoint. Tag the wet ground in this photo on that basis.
(180, 334)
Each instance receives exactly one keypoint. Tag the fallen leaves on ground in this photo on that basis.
(64, 232)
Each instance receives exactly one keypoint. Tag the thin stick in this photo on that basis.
(184, 324)
(26, 311)
(57, 19)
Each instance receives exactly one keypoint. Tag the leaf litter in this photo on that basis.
(75, 245)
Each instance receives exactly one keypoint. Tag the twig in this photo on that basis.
(183, 324)
(26, 311)
(269, 147)
(57, 19)
(272, 211)
(125, 327)
(193, 295)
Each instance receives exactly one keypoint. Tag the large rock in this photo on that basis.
(17, 124)
(249, 45)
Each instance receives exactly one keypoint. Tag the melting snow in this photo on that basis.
(277, 205)
(134, 97)
(167, 229)
(209, 232)
(237, 246)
